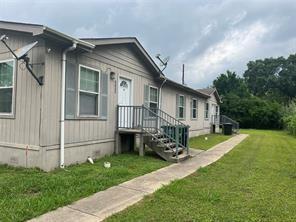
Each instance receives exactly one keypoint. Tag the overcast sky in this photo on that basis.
(209, 36)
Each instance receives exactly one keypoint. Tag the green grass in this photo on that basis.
(256, 181)
(27, 193)
(199, 142)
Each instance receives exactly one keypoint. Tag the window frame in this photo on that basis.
(92, 93)
(157, 102)
(184, 105)
(207, 109)
(196, 108)
(13, 87)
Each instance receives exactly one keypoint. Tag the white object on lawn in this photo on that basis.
(89, 159)
(107, 164)
(206, 138)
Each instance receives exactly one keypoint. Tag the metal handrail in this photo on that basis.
(146, 119)
(226, 119)
(165, 121)
(178, 121)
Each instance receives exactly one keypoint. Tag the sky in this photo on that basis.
(208, 36)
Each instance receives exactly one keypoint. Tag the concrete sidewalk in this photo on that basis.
(105, 203)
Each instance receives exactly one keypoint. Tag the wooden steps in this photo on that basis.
(165, 147)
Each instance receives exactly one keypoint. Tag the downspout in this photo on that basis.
(160, 92)
(62, 121)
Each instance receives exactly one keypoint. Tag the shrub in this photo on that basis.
(290, 123)
(253, 112)
(289, 118)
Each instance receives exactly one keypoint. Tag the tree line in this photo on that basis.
(264, 96)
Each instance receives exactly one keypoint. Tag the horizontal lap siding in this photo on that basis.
(24, 128)
(51, 97)
(123, 62)
(169, 106)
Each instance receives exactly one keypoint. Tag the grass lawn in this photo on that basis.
(27, 193)
(199, 142)
(254, 182)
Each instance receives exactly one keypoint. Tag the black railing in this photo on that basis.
(225, 119)
(157, 123)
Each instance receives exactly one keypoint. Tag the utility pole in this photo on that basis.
(183, 73)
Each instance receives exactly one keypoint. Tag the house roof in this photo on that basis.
(141, 49)
(184, 87)
(90, 43)
(126, 40)
(210, 91)
(37, 29)
(207, 91)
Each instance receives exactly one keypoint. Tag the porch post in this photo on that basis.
(117, 142)
(141, 148)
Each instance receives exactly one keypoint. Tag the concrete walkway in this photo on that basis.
(105, 203)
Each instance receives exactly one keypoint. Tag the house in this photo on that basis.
(95, 96)
(212, 106)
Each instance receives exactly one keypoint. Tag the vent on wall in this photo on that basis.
(97, 153)
(14, 160)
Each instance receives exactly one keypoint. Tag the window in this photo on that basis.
(88, 91)
(206, 110)
(181, 106)
(194, 109)
(6, 87)
(217, 110)
(151, 97)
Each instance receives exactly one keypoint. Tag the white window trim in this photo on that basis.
(11, 114)
(153, 87)
(207, 110)
(89, 92)
(184, 110)
(196, 109)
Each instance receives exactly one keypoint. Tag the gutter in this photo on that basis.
(160, 92)
(62, 121)
(64, 36)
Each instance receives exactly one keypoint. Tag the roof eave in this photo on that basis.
(82, 43)
(38, 30)
(186, 88)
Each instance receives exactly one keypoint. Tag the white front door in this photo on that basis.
(125, 99)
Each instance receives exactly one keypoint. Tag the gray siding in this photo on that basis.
(23, 128)
(121, 60)
(197, 126)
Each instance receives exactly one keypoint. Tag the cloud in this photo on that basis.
(208, 36)
(236, 46)
(238, 18)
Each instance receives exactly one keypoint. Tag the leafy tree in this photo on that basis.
(287, 78)
(272, 78)
(230, 82)
(249, 110)
(252, 111)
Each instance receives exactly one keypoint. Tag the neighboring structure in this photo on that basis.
(112, 88)
(212, 107)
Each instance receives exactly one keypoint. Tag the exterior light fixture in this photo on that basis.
(112, 75)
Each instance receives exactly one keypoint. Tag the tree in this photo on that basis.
(249, 110)
(231, 83)
(272, 78)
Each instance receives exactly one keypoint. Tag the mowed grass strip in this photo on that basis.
(205, 142)
(27, 193)
(256, 181)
